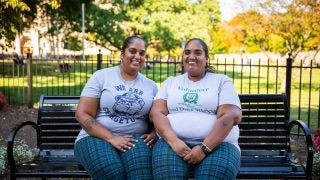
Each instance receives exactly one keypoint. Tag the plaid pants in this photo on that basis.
(222, 163)
(103, 161)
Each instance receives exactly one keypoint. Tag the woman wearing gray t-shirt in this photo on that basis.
(116, 136)
(196, 116)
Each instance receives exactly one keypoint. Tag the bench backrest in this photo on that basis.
(57, 122)
(264, 120)
(262, 127)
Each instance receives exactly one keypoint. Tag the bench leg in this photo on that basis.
(12, 177)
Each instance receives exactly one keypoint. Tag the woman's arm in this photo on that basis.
(228, 115)
(86, 114)
(158, 115)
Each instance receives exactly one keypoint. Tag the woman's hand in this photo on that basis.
(150, 139)
(180, 148)
(195, 156)
(123, 143)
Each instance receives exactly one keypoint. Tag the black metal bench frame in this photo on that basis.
(265, 133)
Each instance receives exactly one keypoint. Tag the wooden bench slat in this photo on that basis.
(58, 108)
(57, 114)
(60, 100)
(262, 126)
(261, 98)
(263, 112)
(262, 146)
(59, 120)
(264, 140)
(262, 119)
(263, 153)
(57, 146)
(60, 133)
(61, 139)
(65, 126)
(261, 132)
(262, 106)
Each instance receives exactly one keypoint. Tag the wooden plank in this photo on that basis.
(67, 132)
(262, 132)
(55, 146)
(262, 119)
(254, 146)
(262, 106)
(49, 114)
(48, 120)
(264, 112)
(262, 126)
(58, 140)
(71, 126)
(257, 140)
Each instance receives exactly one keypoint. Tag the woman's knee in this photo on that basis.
(99, 158)
(166, 164)
(224, 162)
(107, 171)
(138, 161)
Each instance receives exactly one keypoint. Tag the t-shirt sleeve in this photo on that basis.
(155, 89)
(163, 92)
(227, 93)
(93, 88)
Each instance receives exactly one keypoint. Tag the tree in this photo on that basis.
(166, 24)
(283, 26)
(15, 15)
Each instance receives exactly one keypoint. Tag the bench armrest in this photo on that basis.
(308, 138)
(11, 139)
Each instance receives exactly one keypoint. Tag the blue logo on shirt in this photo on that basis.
(191, 98)
(128, 104)
(126, 108)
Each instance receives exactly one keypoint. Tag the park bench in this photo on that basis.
(266, 139)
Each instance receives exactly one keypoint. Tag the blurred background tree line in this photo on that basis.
(278, 26)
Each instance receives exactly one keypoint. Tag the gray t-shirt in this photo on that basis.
(124, 105)
(192, 105)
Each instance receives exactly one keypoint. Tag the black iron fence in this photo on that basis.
(23, 81)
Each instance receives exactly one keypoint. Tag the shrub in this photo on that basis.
(2, 159)
(316, 164)
(316, 140)
(21, 152)
(316, 155)
(3, 102)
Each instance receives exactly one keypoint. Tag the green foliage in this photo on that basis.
(21, 153)
(286, 26)
(316, 164)
(2, 158)
(73, 43)
(15, 15)
(281, 26)
(277, 43)
(166, 24)
(103, 26)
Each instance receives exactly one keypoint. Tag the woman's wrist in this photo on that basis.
(205, 148)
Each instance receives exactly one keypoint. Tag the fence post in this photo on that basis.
(29, 77)
(99, 58)
(288, 78)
